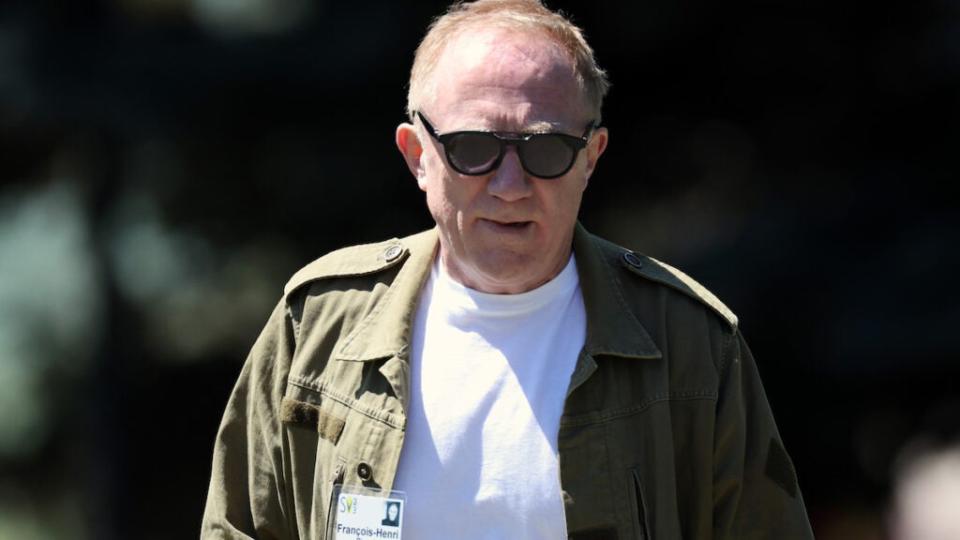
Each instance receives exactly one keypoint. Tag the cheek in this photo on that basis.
(566, 212)
(451, 194)
(563, 204)
(443, 200)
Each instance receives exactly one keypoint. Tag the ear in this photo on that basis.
(408, 142)
(595, 149)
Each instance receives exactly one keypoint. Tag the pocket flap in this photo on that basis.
(309, 415)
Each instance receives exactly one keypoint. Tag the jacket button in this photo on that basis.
(632, 259)
(392, 253)
(364, 471)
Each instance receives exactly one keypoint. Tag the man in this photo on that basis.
(510, 374)
(392, 517)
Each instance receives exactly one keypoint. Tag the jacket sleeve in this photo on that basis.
(246, 494)
(756, 495)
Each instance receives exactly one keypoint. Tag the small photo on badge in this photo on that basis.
(391, 516)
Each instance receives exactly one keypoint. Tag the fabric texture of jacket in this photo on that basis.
(666, 431)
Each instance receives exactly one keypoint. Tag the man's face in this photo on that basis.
(506, 231)
(392, 512)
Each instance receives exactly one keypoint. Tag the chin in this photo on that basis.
(510, 275)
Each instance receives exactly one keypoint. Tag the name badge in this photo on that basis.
(362, 514)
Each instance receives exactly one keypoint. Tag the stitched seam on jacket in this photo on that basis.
(607, 416)
(294, 322)
(352, 404)
(726, 353)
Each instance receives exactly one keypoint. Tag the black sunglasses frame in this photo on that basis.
(505, 139)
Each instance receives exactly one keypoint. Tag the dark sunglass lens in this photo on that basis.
(473, 153)
(547, 155)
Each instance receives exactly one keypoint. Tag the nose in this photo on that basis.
(509, 182)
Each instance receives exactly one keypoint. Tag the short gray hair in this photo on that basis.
(522, 15)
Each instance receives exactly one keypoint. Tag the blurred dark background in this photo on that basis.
(167, 164)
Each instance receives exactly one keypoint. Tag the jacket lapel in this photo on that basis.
(385, 332)
(612, 329)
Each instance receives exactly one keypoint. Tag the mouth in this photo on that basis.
(509, 225)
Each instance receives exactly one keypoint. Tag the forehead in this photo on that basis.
(506, 80)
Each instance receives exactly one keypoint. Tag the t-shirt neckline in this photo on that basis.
(463, 298)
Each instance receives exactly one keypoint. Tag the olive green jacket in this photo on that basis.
(666, 431)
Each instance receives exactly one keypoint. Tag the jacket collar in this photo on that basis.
(612, 329)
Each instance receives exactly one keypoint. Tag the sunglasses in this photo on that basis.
(543, 155)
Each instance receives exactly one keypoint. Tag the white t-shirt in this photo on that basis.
(489, 378)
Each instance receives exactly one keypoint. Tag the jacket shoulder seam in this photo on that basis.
(352, 261)
(661, 272)
(726, 354)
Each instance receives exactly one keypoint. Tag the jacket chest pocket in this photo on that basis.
(313, 429)
(638, 514)
(590, 502)
(619, 473)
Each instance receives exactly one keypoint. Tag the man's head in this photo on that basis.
(393, 510)
(512, 67)
(518, 17)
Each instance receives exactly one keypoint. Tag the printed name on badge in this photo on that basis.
(363, 514)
